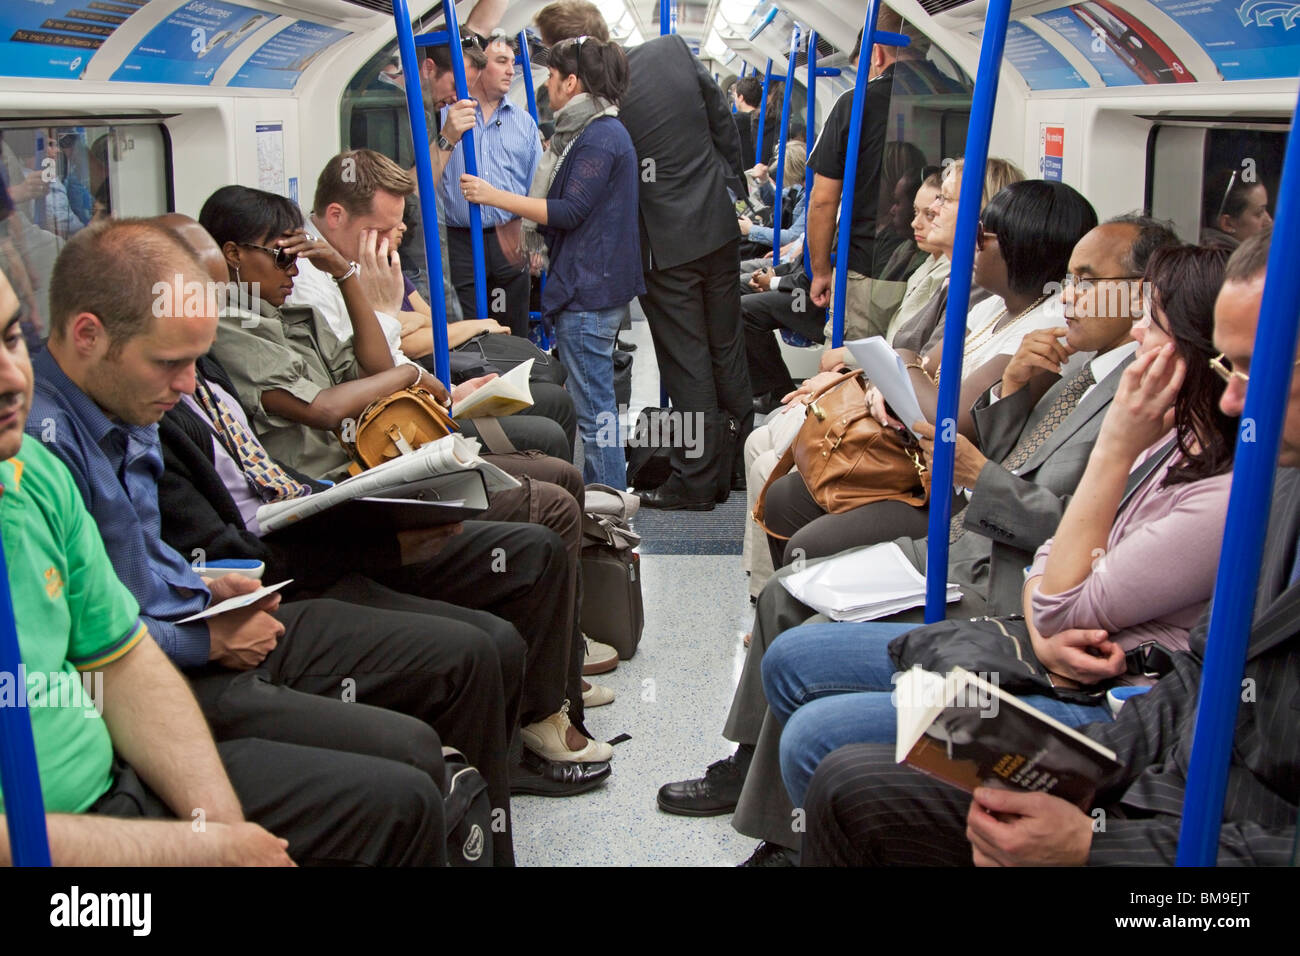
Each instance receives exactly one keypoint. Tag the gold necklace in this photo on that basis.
(974, 340)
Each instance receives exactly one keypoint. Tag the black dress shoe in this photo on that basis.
(555, 778)
(667, 501)
(624, 346)
(718, 791)
(771, 854)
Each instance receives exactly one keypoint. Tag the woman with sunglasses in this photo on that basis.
(584, 201)
(1099, 594)
(261, 236)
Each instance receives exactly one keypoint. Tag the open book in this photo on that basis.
(504, 395)
(883, 368)
(863, 585)
(427, 473)
(966, 731)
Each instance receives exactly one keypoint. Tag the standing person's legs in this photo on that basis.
(674, 304)
(460, 266)
(586, 342)
(727, 350)
(508, 287)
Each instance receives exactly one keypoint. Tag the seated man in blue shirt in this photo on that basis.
(289, 674)
(507, 147)
(129, 772)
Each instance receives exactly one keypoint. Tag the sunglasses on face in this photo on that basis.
(982, 236)
(283, 258)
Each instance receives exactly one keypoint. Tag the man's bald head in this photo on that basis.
(200, 241)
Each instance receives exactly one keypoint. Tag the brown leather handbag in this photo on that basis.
(396, 424)
(848, 459)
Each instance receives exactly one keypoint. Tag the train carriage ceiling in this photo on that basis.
(274, 44)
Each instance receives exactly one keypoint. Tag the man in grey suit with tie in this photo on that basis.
(865, 809)
(1034, 454)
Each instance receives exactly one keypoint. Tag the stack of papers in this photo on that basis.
(863, 585)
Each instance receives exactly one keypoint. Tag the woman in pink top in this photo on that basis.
(1121, 571)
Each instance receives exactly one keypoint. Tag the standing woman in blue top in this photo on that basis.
(584, 201)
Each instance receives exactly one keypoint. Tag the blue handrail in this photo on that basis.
(665, 17)
(20, 777)
(406, 44)
(525, 61)
(471, 163)
(954, 335)
(1233, 606)
(778, 181)
(762, 112)
(870, 37)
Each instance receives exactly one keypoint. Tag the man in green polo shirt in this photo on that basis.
(126, 749)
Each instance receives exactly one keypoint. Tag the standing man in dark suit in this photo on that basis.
(689, 151)
(865, 809)
(1038, 451)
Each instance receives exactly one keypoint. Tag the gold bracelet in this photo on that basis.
(919, 366)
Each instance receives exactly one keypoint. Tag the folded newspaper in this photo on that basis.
(504, 395)
(863, 585)
(446, 456)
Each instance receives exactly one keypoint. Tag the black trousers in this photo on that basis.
(367, 670)
(865, 809)
(694, 314)
(763, 313)
(812, 533)
(507, 285)
(334, 807)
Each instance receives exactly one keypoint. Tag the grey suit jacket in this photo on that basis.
(1011, 515)
(1153, 733)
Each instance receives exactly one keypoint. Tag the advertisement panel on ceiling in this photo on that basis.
(1123, 49)
(279, 61)
(1042, 65)
(1246, 39)
(57, 38)
(190, 44)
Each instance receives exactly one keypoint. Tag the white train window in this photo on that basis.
(57, 179)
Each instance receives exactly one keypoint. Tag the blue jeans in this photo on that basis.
(586, 343)
(831, 684)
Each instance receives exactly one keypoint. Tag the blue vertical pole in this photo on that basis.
(526, 64)
(471, 162)
(665, 27)
(778, 181)
(424, 179)
(19, 776)
(954, 336)
(810, 119)
(1233, 606)
(762, 114)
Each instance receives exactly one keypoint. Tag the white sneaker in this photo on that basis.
(600, 658)
(597, 695)
(546, 738)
